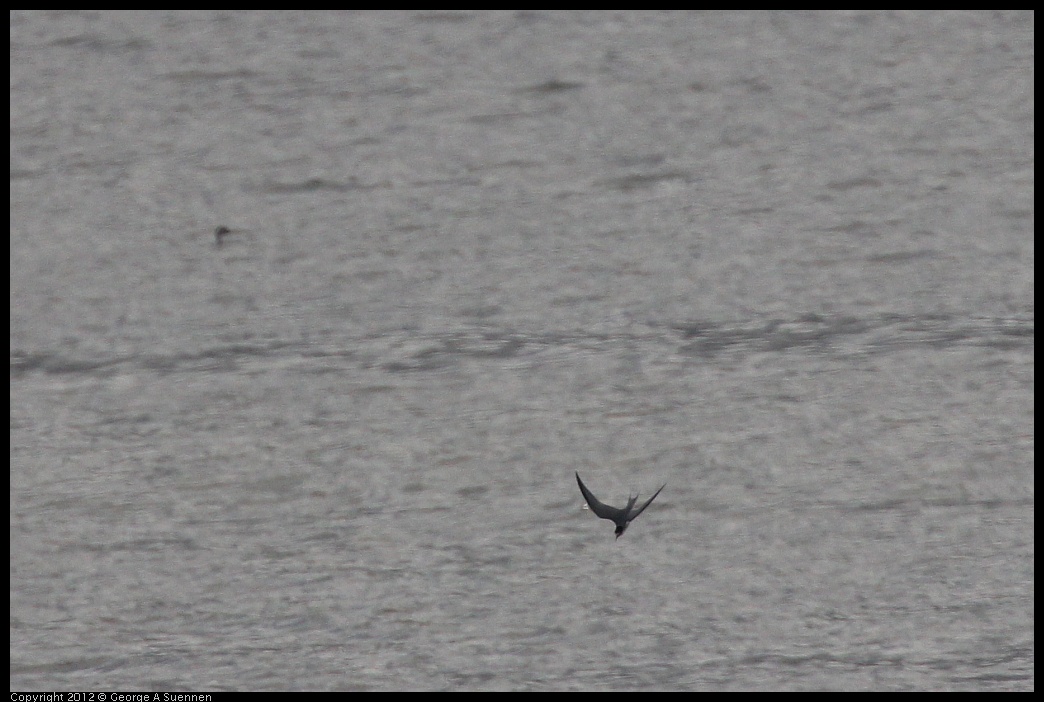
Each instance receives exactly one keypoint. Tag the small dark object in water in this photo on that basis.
(220, 233)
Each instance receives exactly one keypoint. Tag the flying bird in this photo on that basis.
(620, 517)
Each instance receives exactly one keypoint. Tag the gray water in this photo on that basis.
(781, 262)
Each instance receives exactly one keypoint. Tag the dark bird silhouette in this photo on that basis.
(620, 517)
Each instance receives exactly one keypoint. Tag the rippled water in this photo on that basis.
(781, 262)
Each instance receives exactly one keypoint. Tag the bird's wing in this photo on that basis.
(641, 509)
(600, 508)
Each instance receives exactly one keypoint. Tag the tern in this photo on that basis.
(620, 517)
